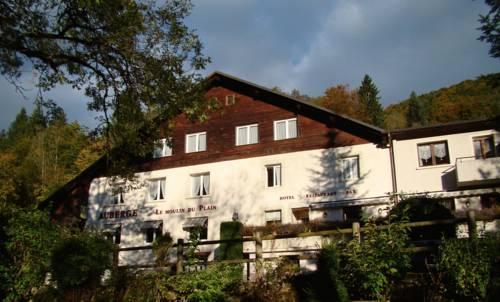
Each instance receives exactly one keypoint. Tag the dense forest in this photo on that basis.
(467, 100)
(40, 152)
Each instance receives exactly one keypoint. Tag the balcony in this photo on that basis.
(473, 171)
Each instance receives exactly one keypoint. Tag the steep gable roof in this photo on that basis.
(348, 124)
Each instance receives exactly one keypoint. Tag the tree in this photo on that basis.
(342, 100)
(28, 238)
(369, 99)
(109, 48)
(490, 27)
(414, 116)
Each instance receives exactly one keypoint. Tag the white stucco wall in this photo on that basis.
(240, 186)
(412, 178)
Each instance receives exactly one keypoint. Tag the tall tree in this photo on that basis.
(414, 115)
(369, 99)
(490, 27)
(341, 99)
(108, 47)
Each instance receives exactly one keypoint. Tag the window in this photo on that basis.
(352, 213)
(432, 154)
(113, 233)
(273, 175)
(200, 185)
(152, 230)
(301, 214)
(197, 227)
(117, 197)
(246, 135)
(348, 168)
(230, 100)
(157, 189)
(162, 148)
(490, 201)
(285, 129)
(273, 217)
(484, 147)
(196, 142)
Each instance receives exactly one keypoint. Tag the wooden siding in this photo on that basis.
(221, 125)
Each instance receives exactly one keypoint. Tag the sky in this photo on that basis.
(310, 45)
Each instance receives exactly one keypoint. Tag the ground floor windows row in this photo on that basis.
(196, 228)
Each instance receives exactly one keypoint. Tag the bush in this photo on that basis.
(423, 209)
(161, 249)
(27, 239)
(465, 267)
(81, 260)
(371, 268)
(215, 283)
(233, 250)
(326, 284)
(274, 284)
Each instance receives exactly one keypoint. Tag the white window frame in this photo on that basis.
(347, 161)
(197, 142)
(165, 145)
(117, 193)
(203, 179)
(114, 236)
(157, 231)
(247, 130)
(158, 188)
(273, 221)
(230, 99)
(287, 132)
(277, 175)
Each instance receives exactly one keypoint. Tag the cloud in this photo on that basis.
(311, 45)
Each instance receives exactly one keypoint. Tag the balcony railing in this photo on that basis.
(476, 171)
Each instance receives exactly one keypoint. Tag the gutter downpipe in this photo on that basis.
(393, 169)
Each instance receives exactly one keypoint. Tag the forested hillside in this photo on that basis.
(467, 100)
(40, 152)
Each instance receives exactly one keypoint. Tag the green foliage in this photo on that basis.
(423, 209)
(215, 283)
(233, 250)
(371, 268)
(36, 160)
(415, 112)
(274, 284)
(161, 249)
(369, 99)
(467, 100)
(490, 27)
(465, 267)
(80, 261)
(27, 239)
(116, 51)
(329, 275)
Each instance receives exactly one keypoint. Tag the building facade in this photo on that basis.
(265, 158)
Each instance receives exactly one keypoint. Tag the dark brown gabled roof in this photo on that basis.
(445, 129)
(348, 124)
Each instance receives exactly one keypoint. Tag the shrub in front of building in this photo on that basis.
(231, 250)
(79, 262)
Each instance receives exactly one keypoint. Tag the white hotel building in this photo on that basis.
(265, 157)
